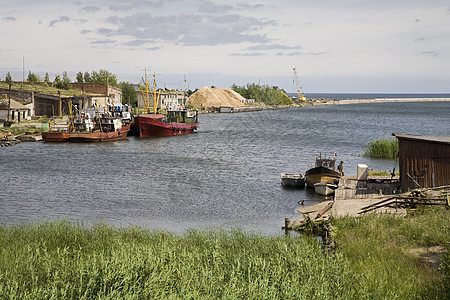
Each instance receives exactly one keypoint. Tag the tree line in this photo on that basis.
(102, 76)
(270, 95)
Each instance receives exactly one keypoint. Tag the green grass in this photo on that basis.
(62, 260)
(379, 248)
(382, 148)
(26, 129)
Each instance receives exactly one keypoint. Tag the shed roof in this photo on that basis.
(424, 138)
(14, 104)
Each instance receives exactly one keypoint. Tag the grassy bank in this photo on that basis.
(391, 253)
(60, 260)
(382, 148)
(67, 261)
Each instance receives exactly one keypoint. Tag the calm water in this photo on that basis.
(225, 175)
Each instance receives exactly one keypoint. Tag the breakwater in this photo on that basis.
(387, 100)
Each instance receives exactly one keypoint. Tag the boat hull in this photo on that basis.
(325, 189)
(55, 136)
(292, 180)
(152, 125)
(321, 174)
(86, 137)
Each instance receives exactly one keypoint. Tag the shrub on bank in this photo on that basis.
(382, 148)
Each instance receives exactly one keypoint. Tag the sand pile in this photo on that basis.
(216, 97)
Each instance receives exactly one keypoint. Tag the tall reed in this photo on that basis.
(382, 148)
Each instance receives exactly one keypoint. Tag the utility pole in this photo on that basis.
(9, 102)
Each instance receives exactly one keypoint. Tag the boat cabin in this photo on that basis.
(329, 163)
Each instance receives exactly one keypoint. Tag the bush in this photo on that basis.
(382, 148)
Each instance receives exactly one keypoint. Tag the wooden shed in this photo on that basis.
(424, 161)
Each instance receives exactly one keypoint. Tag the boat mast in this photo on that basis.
(155, 95)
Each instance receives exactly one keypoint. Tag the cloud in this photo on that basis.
(137, 42)
(419, 39)
(273, 47)
(61, 19)
(431, 53)
(249, 54)
(153, 48)
(103, 42)
(120, 5)
(85, 31)
(80, 21)
(9, 19)
(190, 29)
(248, 7)
(297, 53)
(209, 7)
(105, 31)
(90, 9)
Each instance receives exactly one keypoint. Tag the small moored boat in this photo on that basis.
(325, 189)
(323, 171)
(292, 180)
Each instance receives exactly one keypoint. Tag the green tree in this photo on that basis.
(8, 78)
(64, 83)
(103, 76)
(80, 77)
(87, 77)
(129, 95)
(270, 95)
(57, 82)
(33, 78)
(47, 78)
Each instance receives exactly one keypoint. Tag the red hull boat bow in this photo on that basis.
(161, 125)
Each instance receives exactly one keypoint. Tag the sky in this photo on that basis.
(355, 46)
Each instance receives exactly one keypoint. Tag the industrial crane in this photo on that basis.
(300, 94)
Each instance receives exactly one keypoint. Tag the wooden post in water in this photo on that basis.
(287, 225)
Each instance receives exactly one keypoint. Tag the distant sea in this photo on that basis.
(345, 96)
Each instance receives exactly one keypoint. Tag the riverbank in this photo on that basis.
(65, 260)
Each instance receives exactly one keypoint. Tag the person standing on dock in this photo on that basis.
(341, 168)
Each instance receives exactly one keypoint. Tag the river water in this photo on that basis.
(225, 175)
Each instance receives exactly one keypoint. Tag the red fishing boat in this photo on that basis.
(55, 136)
(100, 136)
(172, 123)
(94, 125)
(175, 121)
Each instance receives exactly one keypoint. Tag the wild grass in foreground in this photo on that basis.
(66, 261)
(382, 148)
(383, 250)
(373, 260)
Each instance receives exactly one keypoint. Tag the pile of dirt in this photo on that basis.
(216, 97)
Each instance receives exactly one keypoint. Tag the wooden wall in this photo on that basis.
(424, 163)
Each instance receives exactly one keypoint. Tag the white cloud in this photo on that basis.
(61, 19)
(232, 39)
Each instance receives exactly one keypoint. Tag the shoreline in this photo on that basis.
(323, 101)
(389, 100)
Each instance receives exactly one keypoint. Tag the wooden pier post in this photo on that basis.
(287, 225)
